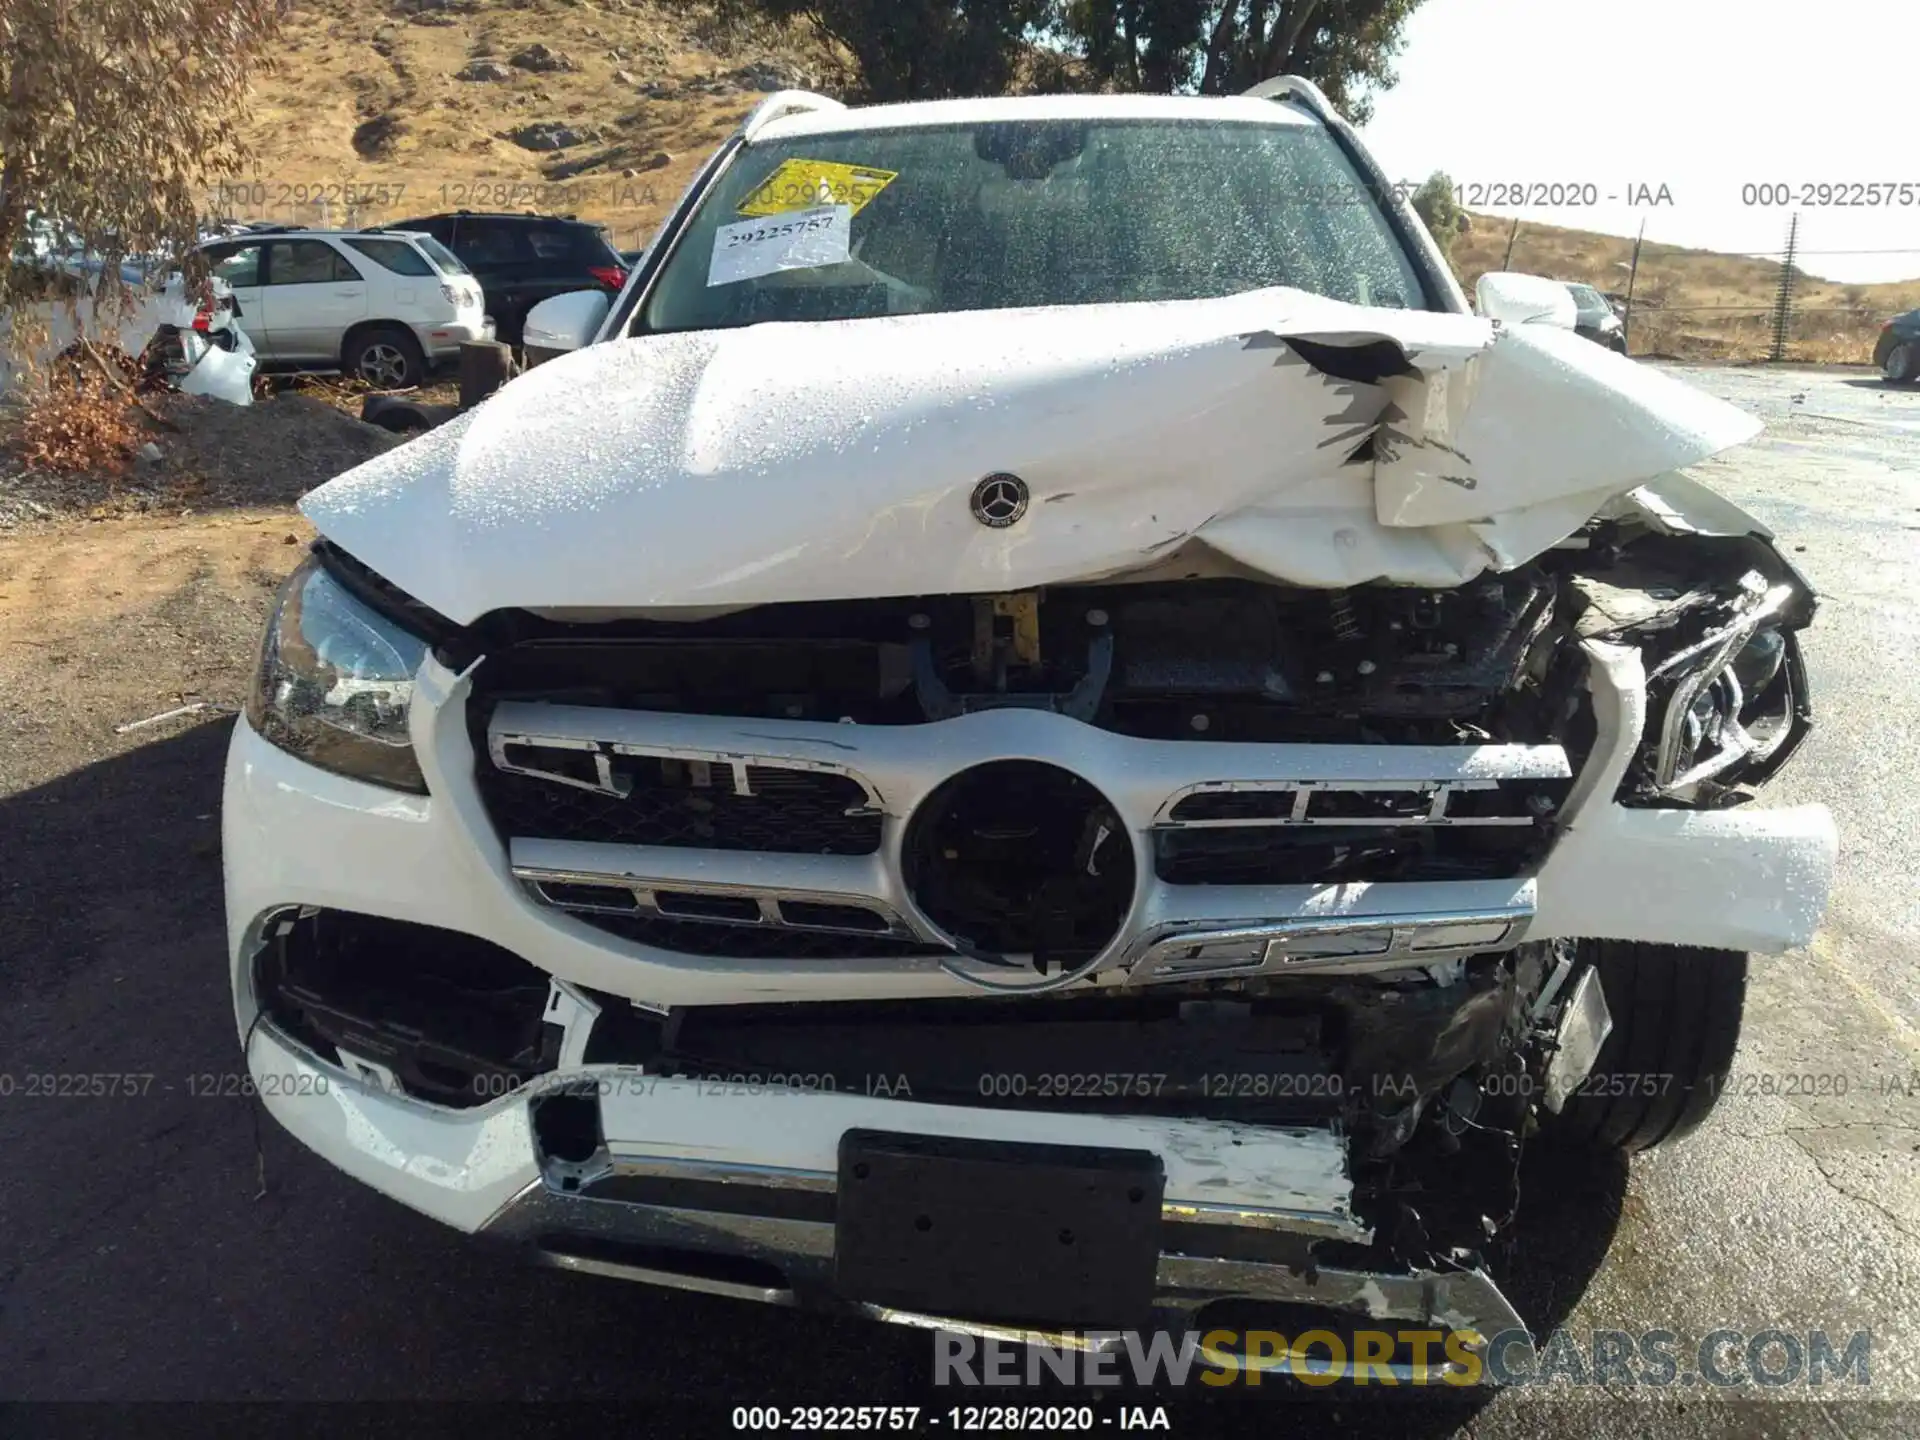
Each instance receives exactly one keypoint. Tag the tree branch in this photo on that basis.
(119, 383)
(1286, 35)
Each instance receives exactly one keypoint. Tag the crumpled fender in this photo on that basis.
(224, 374)
(1275, 433)
(1542, 414)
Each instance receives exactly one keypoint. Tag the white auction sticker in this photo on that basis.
(795, 240)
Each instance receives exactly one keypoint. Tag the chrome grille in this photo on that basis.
(561, 788)
(1347, 832)
(1252, 863)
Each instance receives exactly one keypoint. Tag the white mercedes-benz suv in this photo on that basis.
(1038, 728)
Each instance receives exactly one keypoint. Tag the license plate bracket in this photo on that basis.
(1062, 1236)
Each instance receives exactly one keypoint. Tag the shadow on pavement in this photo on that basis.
(171, 1243)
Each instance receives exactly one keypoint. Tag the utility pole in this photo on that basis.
(1783, 303)
(1507, 262)
(1633, 269)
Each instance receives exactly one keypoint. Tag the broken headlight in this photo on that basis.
(334, 683)
(1732, 706)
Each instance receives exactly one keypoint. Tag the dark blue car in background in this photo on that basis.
(1897, 352)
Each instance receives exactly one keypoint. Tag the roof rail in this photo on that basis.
(781, 104)
(1295, 87)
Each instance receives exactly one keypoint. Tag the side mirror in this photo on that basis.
(565, 322)
(1516, 299)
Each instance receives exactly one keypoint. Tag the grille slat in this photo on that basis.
(1351, 833)
(756, 942)
(681, 803)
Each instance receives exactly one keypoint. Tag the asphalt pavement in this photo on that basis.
(170, 1244)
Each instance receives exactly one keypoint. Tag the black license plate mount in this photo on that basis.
(1054, 1236)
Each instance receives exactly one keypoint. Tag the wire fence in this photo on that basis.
(1764, 304)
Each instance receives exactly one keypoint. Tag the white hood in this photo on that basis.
(834, 460)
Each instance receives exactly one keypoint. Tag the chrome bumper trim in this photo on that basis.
(801, 1251)
(1369, 942)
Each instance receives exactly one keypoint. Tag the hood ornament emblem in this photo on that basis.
(1000, 500)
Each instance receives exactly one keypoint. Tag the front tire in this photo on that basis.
(385, 357)
(1676, 1019)
(1901, 364)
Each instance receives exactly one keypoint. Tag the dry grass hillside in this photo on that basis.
(366, 118)
(1695, 304)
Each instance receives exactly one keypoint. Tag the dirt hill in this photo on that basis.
(380, 109)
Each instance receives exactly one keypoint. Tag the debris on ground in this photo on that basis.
(195, 708)
(77, 427)
(271, 455)
(221, 455)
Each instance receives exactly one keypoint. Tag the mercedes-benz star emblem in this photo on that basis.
(999, 500)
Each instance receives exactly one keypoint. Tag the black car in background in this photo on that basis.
(1897, 352)
(1596, 318)
(521, 259)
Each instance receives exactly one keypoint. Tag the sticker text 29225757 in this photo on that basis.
(800, 240)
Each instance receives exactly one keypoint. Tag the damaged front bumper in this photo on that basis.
(498, 1049)
(731, 1189)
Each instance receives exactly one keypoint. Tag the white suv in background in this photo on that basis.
(381, 305)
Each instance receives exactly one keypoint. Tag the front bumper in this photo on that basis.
(442, 340)
(1243, 1201)
(753, 1218)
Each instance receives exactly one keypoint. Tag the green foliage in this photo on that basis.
(117, 112)
(1436, 205)
(926, 49)
(919, 49)
(1221, 47)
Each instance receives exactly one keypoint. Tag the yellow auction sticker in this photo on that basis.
(802, 184)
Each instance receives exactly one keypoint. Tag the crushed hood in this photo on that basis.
(1273, 433)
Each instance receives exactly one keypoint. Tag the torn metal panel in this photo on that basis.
(1543, 415)
(1301, 439)
(1297, 1176)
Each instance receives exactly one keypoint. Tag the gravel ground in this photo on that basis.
(163, 1246)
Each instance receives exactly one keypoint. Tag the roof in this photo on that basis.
(518, 215)
(294, 232)
(1216, 108)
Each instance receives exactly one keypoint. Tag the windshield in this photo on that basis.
(1017, 213)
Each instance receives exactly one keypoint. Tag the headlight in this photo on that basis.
(335, 681)
(1735, 702)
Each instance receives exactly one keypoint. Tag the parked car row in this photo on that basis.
(383, 305)
(386, 305)
(521, 260)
